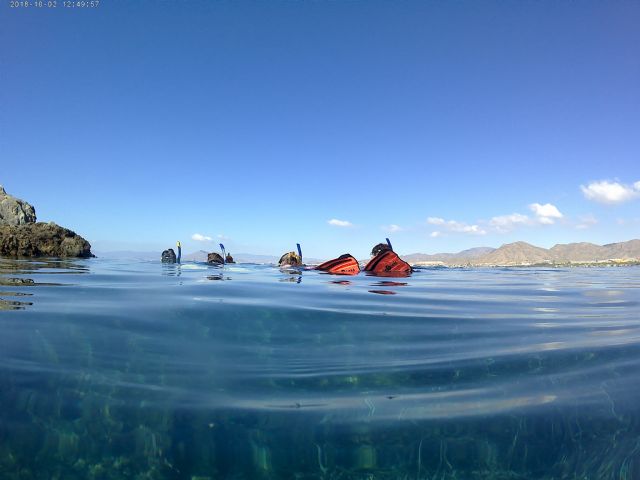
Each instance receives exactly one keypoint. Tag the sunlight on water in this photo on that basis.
(114, 370)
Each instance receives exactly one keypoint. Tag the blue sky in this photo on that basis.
(445, 125)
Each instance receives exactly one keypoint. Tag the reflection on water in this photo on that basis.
(218, 276)
(20, 286)
(386, 283)
(12, 304)
(110, 370)
(389, 284)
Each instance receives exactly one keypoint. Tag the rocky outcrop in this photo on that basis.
(14, 211)
(21, 236)
(41, 240)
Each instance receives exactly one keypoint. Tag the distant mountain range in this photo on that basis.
(522, 253)
(128, 255)
(201, 256)
(446, 257)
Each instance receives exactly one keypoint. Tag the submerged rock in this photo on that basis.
(168, 256)
(42, 240)
(14, 211)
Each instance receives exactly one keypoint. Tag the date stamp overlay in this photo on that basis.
(79, 4)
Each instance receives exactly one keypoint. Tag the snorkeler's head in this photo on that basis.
(290, 258)
(379, 248)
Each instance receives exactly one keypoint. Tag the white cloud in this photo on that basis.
(611, 193)
(435, 234)
(505, 223)
(586, 221)
(200, 238)
(462, 228)
(392, 228)
(456, 227)
(545, 214)
(339, 223)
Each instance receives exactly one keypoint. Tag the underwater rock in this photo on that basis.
(14, 211)
(42, 240)
(214, 258)
(168, 256)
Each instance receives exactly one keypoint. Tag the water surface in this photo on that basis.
(117, 370)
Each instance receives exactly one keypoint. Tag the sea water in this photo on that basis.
(139, 370)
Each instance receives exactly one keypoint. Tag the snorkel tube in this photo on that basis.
(299, 252)
(389, 243)
(224, 254)
(179, 251)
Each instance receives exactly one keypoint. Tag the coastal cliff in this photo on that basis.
(22, 236)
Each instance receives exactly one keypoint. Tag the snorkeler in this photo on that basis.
(291, 259)
(215, 258)
(386, 262)
(169, 256)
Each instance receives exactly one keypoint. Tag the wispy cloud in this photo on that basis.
(506, 223)
(628, 221)
(393, 228)
(200, 238)
(435, 234)
(546, 214)
(611, 193)
(340, 223)
(586, 221)
(435, 220)
(454, 226)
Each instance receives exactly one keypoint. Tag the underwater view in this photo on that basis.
(120, 370)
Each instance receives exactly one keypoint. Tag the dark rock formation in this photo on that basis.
(229, 258)
(21, 236)
(41, 240)
(215, 258)
(168, 256)
(14, 211)
(290, 259)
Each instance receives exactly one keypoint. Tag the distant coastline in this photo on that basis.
(522, 254)
(518, 254)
